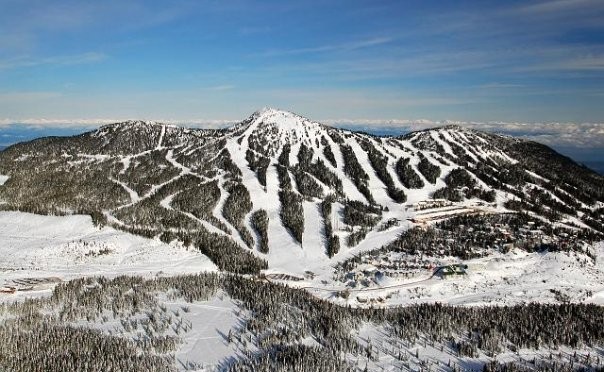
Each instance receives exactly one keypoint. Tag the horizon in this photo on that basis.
(321, 185)
(589, 154)
(532, 69)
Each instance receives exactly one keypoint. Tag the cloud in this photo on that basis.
(496, 85)
(222, 87)
(559, 7)
(586, 135)
(68, 60)
(56, 123)
(25, 96)
(26, 25)
(42, 123)
(348, 46)
(576, 135)
(593, 63)
(587, 62)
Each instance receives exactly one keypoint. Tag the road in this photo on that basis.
(361, 290)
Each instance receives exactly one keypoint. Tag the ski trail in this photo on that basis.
(126, 163)
(170, 158)
(161, 138)
(348, 186)
(313, 241)
(165, 203)
(442, 142)
(217, 212)
(134, 197)
(376, 186)
(208, 226)
(284, 251)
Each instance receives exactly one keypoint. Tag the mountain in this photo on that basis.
(359, 249)
(283, 192)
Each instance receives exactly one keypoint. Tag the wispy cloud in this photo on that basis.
(222, 87)
(40, 123)
(25, 96)
(587, 63)
(559, 7)
(347, 46)
(569, 134)
(418, 62)
(496, 85)
(77, 123)
(24, 25)
(68, 60)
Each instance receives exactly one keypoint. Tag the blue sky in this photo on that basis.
(481, 61)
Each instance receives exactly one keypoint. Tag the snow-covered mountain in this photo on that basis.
(280, 191)
(338, 228)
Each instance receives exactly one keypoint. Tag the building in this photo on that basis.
(451, 270)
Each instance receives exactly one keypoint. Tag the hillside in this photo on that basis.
(280, 191)
(446, 249)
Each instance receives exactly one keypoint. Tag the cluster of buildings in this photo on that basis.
(475, 237)
(28, 284)
(431, 203)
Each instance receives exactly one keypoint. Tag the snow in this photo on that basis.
(284, 250)
(134, 197)
(445, 145)
(500, 279)
(202, 327)
(125, 160)
(377, 188)
(161, 137)
(67, 247)
(166, 203)
(217, 212)
(313, 241)
(288, 256)
(95, 157)
(349, 188)
(205, 344)
(437, 356)
(535, 175)
(63, 248)
(170, 158)
(285, 254)
(286, 121)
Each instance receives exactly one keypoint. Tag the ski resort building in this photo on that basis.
(433, 203)
(451, 270)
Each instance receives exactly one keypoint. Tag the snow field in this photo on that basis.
(67, 247)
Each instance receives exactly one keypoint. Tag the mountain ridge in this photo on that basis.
(280, 191)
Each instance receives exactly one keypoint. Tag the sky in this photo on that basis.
(390, 64)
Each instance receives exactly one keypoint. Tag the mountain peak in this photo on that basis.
(452, 127)
(129, 124)
(267, 110)
(275, 115)
(283, 121)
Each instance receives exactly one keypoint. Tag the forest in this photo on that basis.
(58, 333)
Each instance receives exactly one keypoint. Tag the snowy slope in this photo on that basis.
(34, 246)
(137, 174)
